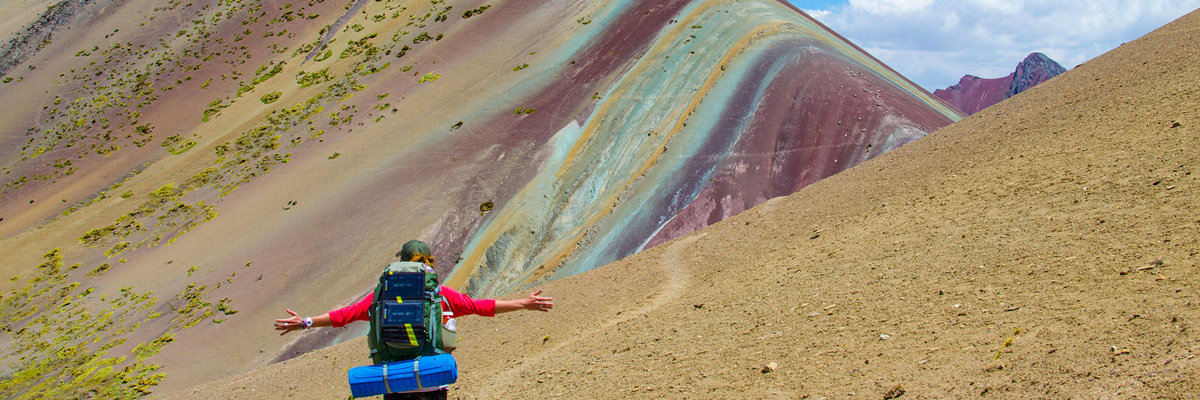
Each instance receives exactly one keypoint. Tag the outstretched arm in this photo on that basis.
(296, 322)
(531, 302)
(335, 318)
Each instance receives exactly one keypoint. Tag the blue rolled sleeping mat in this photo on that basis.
(403, 376)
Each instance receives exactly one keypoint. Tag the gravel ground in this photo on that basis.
(1043, 248)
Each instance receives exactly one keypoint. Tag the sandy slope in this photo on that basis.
(346, 151)
(1069, 229)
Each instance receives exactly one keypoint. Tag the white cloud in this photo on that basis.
(1000, 6)
(818, 14)
(891, 6)
(950, 21)
(935, 42)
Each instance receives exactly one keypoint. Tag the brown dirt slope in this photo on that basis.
(1030, 251)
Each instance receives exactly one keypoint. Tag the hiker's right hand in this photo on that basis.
(289, 324)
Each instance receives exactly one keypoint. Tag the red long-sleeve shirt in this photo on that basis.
(458, 303)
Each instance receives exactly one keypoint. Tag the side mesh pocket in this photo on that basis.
(449, 332)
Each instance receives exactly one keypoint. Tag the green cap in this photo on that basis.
(412, 248)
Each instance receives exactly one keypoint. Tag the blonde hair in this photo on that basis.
(422, 258)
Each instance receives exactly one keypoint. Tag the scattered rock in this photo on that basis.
(885, 336)
(698, 306)
(894, 392)
(769, 367)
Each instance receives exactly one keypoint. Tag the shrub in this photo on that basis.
(429, 77)
(476, 11)
(270, 97)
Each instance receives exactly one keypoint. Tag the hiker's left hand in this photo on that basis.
(538, 303)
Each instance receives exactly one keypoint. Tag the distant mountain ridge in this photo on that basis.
(973, 93)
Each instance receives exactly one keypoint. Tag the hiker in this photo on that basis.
(457, 304)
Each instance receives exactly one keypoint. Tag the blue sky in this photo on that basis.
(936, 42)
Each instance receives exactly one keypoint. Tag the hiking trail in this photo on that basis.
(676, 280)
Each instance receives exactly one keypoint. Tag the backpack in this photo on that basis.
(406, 315)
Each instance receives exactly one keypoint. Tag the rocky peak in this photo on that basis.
(1035, 69)
(973, 93)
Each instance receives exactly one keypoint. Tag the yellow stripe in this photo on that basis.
(412, 337)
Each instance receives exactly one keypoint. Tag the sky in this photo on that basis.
(935, 42)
